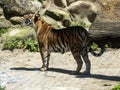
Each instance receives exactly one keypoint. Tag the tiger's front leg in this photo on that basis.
(45, 55)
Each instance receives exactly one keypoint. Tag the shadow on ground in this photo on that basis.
(58, 70)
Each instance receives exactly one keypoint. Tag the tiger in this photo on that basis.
(74, 39)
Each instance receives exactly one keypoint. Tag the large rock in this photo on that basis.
(83, 11)
(16, 20)
(53, 22)
(1, 11)
(4, 23)
(19, 7)
(59, 14)
(60, 3)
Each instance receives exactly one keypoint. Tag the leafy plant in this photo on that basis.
(94, 46)
(30, 44)
(116, 87)
(82, 24)
(9, 45)
(3, 30)
(27, 43)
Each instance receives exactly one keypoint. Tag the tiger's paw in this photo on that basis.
(86, 73)
(43, 69)
(75, 73)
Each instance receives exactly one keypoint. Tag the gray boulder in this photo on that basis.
(1, 11)
(19, 7)
(16, 20)
(83, 11)
(53, 22)
(4, 23)
(60, 3)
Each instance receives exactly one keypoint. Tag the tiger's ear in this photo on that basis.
(36, 16)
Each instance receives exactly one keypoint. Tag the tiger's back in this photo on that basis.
(64, 40)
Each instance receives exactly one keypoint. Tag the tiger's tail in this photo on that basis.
(102, 49)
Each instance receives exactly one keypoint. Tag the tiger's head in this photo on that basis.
(33, 19)
(28, 20)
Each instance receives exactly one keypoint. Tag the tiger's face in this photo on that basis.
(36, 22)
(28, 20)
(33, 20)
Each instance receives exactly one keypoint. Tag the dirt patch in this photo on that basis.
(23, 71)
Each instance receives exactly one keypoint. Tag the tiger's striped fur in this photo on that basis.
(74, 39)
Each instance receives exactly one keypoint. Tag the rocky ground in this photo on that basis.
(20, 71)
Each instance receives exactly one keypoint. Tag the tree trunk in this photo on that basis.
(106, 32)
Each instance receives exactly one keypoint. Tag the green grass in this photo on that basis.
(95, 47)
(116, 87)
(28, 43)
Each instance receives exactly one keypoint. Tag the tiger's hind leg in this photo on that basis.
(86, 60)
(45, 55)
(77, 57)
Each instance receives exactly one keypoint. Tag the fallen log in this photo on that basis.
(106, 32)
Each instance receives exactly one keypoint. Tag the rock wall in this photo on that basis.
(57, 12)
